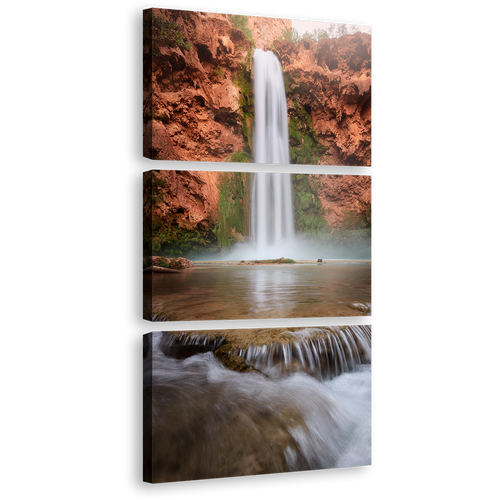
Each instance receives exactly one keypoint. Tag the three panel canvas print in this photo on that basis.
(229, 245)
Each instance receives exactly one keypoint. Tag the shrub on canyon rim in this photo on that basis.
(163, 33)
(241, 23)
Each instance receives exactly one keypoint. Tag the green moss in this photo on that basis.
(169, 240)
(355, 233)
(166, 238)
(233, 213)
(358, 220)
(352, 240)
(231, 360)
(243, 80)
(305, 148)
(241, 23)
(309, 212)
(289, 83)
(239, 157)
(219, 72)
(162, 117)
(162, 33)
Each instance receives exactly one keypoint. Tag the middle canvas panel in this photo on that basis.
(242, 245)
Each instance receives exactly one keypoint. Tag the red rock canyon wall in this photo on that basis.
(192, 109)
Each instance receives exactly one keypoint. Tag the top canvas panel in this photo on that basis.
(233, 88)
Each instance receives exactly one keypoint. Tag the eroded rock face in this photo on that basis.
(332, 81)
(265, 30)
(341, 194)
(188, 199)
(193, 101)
(192, 107)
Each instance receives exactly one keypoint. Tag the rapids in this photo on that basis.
(203, 421)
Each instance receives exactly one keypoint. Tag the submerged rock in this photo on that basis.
(232, 360)
(360, 307)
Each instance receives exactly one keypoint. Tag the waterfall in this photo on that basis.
(271, 120)
(322, 352)
(272, 210)
(184, 345)
(272, 214)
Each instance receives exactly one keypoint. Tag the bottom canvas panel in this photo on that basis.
(256, 401)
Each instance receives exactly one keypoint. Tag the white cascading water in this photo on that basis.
(321, 352)
(271, 120)
(307, 407)
(272, 209)
(272, 214)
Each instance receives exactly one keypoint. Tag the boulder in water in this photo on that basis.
(360, 307)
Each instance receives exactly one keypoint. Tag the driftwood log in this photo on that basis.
(158, 269)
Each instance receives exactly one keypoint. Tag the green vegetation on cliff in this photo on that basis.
(170, 240)
(233, 210)
(162, 33)
(243, 80)
(308, 210)
(355, 232)
(305, 148)
(351, 240)
(239, 157)
(241, 23)
(166, 238)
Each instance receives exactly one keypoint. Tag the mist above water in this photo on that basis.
(297, 247)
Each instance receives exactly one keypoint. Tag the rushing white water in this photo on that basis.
(272, 215)
(271, 119)
(321, 352)
(272, 209)
(208, 421)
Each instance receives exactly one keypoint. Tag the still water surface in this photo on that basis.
(220, 291)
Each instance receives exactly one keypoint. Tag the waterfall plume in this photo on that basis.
(272, 223)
